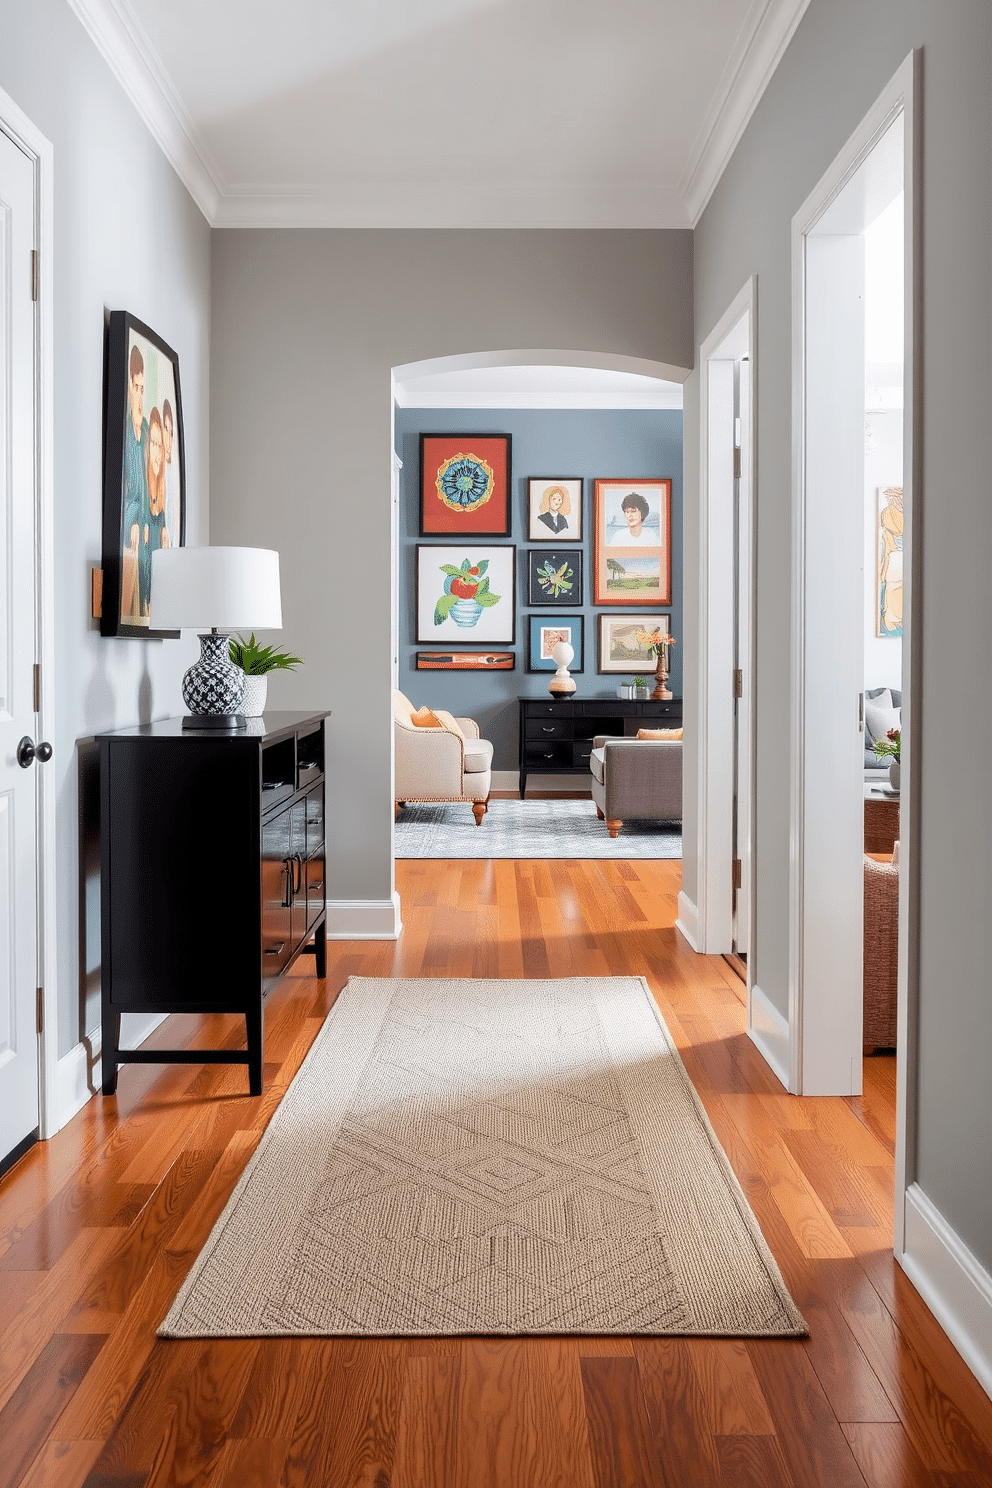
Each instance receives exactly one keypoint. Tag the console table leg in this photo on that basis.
(320, 949)
(108, 1056)
(253, 1023)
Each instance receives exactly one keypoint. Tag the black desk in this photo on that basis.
(212, 875)
(556, 735)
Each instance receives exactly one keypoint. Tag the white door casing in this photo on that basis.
(20, 1104)
(742, 712)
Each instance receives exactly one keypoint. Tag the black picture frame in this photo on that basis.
(554, 508)
(538, 624)
(547, 570)
(129, 506)
(465, 485)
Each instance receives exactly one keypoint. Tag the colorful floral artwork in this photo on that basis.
(464, 485)
(465, 593)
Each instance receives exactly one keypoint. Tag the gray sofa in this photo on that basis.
(636, 780)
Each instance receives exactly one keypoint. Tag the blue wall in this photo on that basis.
(593, 443)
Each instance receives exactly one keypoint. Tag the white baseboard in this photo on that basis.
(77, 1074)
(952, 1282)
(769, 1032)
(688, 921)
(364, 919)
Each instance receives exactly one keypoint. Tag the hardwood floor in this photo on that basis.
(98, 1227)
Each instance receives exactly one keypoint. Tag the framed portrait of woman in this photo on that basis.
(633, 543)
(144, 494)
(554, 504)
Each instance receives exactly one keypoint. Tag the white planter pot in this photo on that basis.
(256, 691)
(894, 774)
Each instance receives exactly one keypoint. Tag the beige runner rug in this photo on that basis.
(459, 1156)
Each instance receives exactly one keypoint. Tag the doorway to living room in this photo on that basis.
(565, 422)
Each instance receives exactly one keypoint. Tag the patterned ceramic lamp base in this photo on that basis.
(214, 688)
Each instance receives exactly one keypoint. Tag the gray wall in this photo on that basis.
(305, 329)
(843, 54)
(127, 237)
(584, 442)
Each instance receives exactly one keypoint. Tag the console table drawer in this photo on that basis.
(549, 756)
(548, 728)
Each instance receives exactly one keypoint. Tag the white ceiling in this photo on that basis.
(535, 387)
(445, 113)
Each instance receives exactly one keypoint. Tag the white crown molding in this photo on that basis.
(767, 31)
(115, 32)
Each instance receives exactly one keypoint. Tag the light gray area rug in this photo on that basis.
(526, 829)
(487, 1157)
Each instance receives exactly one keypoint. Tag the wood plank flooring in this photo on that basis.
(99, 1226)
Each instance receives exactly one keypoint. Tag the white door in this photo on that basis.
(19, 1061)
(742, 662)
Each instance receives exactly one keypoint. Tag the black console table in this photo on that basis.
(556, 734)
(212, 875)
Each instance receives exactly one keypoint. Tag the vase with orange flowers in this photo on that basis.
(659, 641)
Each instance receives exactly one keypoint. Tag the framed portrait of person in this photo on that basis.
(465, 485)
(633, 542)
(144, 494)
(554, 508)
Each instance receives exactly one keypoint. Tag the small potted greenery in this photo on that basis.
(257, 662)
(640, 687)
(891, 748)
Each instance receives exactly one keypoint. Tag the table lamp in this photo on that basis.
(215, 591)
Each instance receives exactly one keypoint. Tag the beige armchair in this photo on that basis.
(440, 759)
(636, 780)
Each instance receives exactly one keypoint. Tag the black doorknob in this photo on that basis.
(28, 751)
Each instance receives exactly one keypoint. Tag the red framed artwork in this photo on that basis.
(633, 542)
(465, 485)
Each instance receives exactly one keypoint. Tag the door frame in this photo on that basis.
(713, 915)
(900, 96)
(18, 127)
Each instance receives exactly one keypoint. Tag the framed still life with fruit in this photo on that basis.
(466, 593)
(464, 485)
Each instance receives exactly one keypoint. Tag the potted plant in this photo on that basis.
(257, 662)
(891, 748)
(640, 687)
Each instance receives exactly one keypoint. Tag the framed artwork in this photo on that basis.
(144, 492)
(623, 642)
(466, 661)
(553, 577)
(464, 485)
(544, 633)
(466, 593)
(633, 545)
(888, 561)
(554, 506)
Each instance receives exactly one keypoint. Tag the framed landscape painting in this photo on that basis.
(554, 508)
(623, 644)
(144, 493)
(464, 485)
(545, 631)
(466, 593)
(633, 542)
(554, 578)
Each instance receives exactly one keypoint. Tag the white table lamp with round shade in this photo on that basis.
(561, 684)
(215, 591)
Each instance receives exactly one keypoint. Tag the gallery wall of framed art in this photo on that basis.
(516, 529)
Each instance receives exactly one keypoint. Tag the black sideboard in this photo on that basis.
(212, 875)
(556, 734)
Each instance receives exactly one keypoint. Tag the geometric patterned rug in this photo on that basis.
(487, 1157)
(562, 828)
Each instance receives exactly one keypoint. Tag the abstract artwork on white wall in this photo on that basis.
(888, 561)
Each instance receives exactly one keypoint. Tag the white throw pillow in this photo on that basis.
(881, 718)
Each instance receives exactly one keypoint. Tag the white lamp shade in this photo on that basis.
(215, 589)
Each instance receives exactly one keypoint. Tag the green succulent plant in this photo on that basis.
(256, 660)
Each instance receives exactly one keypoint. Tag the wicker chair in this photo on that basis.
(881, 958)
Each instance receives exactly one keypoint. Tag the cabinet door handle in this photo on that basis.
(275, 950)
(319, 884)
(298, 886)
(287, 893)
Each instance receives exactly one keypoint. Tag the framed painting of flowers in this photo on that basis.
(464, 485)
(554, 578)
